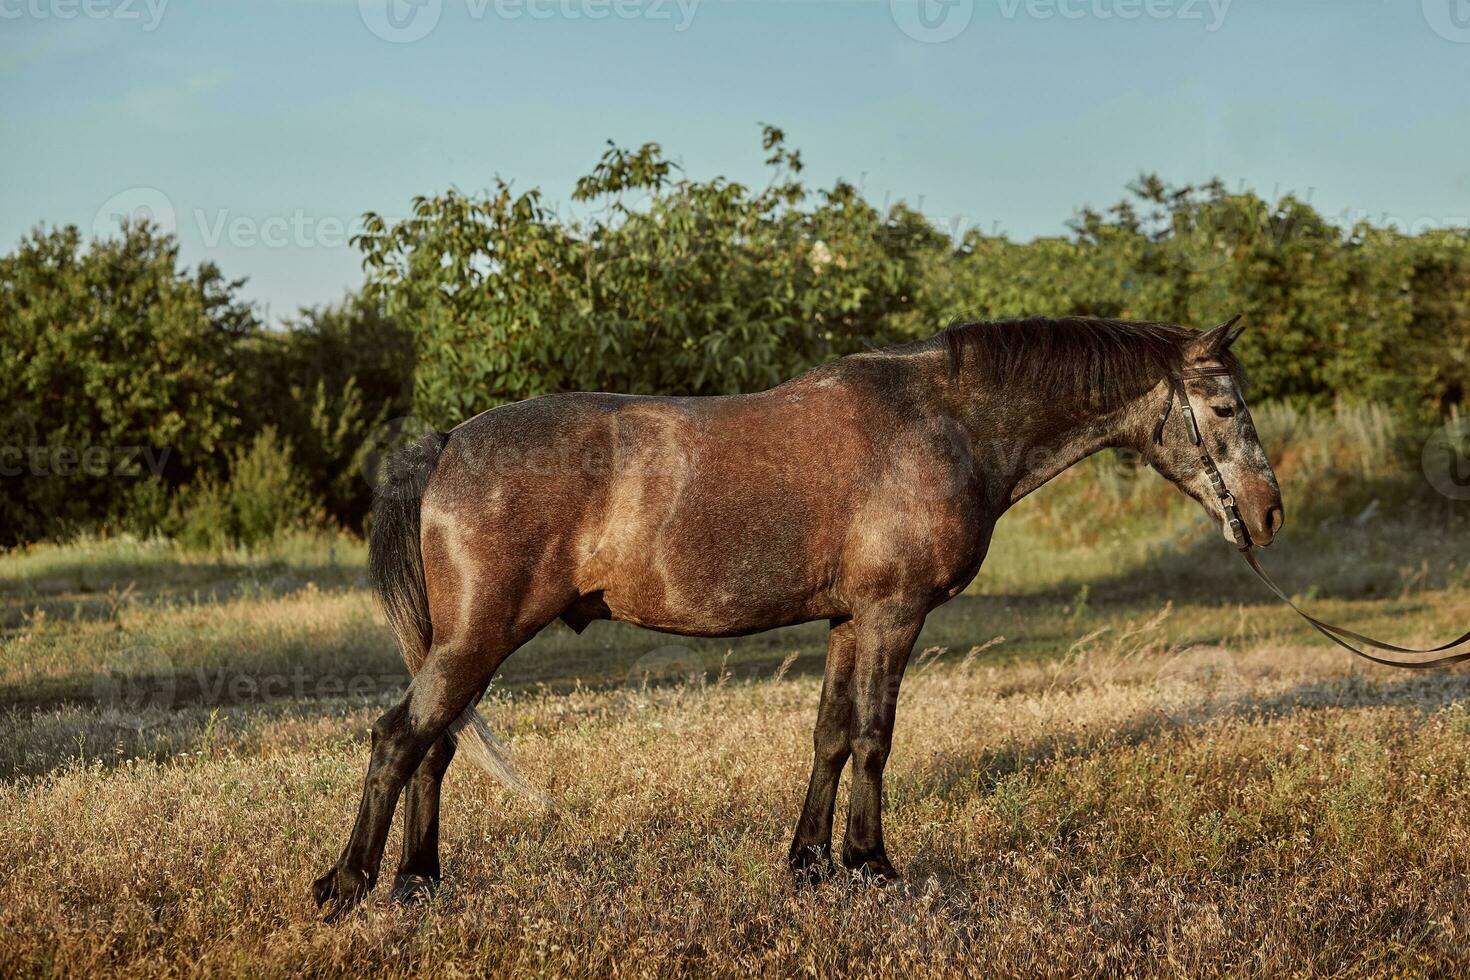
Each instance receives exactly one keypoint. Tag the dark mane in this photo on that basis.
(1106, 362)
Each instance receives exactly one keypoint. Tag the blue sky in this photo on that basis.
(262, 129)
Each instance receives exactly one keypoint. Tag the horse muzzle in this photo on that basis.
(1261, 513)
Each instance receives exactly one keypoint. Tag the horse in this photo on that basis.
(863, 493)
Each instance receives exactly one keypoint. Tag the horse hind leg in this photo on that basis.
(418, 870)
(444, 687)
(451, 678)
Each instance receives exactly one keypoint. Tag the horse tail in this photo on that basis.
(395, 557)
(396, 571)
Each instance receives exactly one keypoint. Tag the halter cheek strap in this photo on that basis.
(1223, 496)
(1241, 536)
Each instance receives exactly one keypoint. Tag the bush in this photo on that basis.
(328, 383)
(694, 288)
(264, 497)
(1334, 311)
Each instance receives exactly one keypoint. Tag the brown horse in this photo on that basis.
(863, 493)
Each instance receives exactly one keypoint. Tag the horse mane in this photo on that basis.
(1100, 361)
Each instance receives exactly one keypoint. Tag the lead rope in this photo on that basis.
(1340, 636)
(1238, 532)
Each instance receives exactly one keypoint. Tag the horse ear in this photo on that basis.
(1234, 335)
(1213, 342)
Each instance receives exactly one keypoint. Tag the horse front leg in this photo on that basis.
(884, 639)
(811, 847)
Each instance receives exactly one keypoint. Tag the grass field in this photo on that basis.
(1113, 755)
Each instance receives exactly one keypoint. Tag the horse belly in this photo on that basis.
(697, 597)
(722, 520)
(728, 562)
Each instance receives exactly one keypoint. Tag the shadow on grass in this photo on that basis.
(1338, 558)
(985, 770)
(358, 659)
(35, 741)
(92, 596)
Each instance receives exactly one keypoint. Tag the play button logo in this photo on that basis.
(932, 21)
(1450, 19)
(400, 21)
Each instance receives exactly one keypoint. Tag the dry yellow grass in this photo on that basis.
(1132, 806)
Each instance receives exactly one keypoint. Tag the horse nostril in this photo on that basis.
(1275, 517)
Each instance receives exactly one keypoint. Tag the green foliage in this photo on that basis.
(1364, 313)
(327, 383)
(694, 288)
(710, 287)
(128, 378)
(107, 351)
(263, 498)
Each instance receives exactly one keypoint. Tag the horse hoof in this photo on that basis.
(344, 889)
(414, 889)
(874, 869)
(811, 865)
(877, 873)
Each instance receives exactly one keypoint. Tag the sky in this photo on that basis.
(261, 130)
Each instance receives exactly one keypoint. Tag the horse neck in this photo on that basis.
(1025, 438)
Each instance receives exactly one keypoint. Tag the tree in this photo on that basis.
(117, 375)
(1358, 313)
(669, 285)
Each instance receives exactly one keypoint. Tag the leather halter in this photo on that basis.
(1242, 539)
(1238, 532)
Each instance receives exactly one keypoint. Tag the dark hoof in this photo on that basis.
(873, 869)
(811, 864)
(414, 889)
(343, 889)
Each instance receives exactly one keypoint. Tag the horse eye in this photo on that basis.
(1224, 411)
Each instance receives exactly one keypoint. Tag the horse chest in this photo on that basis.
(931, 543)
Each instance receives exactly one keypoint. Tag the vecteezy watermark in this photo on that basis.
(296, 228)
(1197, 683)
(673, 663)
(147, 12)
(406, 21)
(1450, 19)
(94, 461)
(135, 206)
(239, 687)
(143, 678)
(391, 445)
(401, 21)
(932, 21)
(1446, 459)
(936, 21)
(1211, 13)
(1290, 219)
(138, 679)
(1348, 221)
